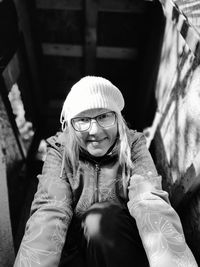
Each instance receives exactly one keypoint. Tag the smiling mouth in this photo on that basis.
(96, 141)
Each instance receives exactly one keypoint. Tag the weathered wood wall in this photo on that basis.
(177, 120)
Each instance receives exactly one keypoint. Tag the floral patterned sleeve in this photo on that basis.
(51, 213)
(158, 223)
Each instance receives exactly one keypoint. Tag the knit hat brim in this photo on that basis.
(89, 93)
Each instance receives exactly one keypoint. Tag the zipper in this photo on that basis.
(96, 190)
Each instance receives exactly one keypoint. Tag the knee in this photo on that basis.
(101, 221)
(91, 226)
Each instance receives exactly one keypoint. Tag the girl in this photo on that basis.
(99, 200)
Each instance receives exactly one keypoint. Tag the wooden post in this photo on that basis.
(6, 240)
(91, 12)
(25, 27)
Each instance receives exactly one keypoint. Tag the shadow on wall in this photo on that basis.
(177, 140)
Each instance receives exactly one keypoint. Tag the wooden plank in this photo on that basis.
(104, 5)
(51, 49)
(90, 33)
(7, 254)
(116, 52)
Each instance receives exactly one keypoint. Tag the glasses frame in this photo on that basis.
(94, 118)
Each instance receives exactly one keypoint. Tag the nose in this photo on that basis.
(94, 127)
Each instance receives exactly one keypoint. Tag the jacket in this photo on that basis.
(61, 195)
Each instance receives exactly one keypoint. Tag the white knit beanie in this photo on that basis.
(91, 92)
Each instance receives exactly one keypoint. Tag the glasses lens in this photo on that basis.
(106, 119)
(81, 124)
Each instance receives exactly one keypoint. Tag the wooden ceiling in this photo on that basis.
(114, 39)
(89, 12)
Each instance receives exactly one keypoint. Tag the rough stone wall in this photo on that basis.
(177, 121)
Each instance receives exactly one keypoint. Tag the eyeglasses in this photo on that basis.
(82, 124)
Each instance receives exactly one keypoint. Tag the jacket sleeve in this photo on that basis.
(51, 213)
(158, 223)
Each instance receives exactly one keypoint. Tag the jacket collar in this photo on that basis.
(112, 153)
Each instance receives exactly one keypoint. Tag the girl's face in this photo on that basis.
(97, 140)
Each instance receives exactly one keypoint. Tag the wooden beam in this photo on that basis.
(36, 92)
(90, 30)
(104, 5)
(52, 49)
(116, 53)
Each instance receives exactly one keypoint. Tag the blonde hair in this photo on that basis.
(73, 147)
(124, 151)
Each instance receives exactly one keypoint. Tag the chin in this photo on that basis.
(97, 153)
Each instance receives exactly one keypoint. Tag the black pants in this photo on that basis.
(106, 236)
